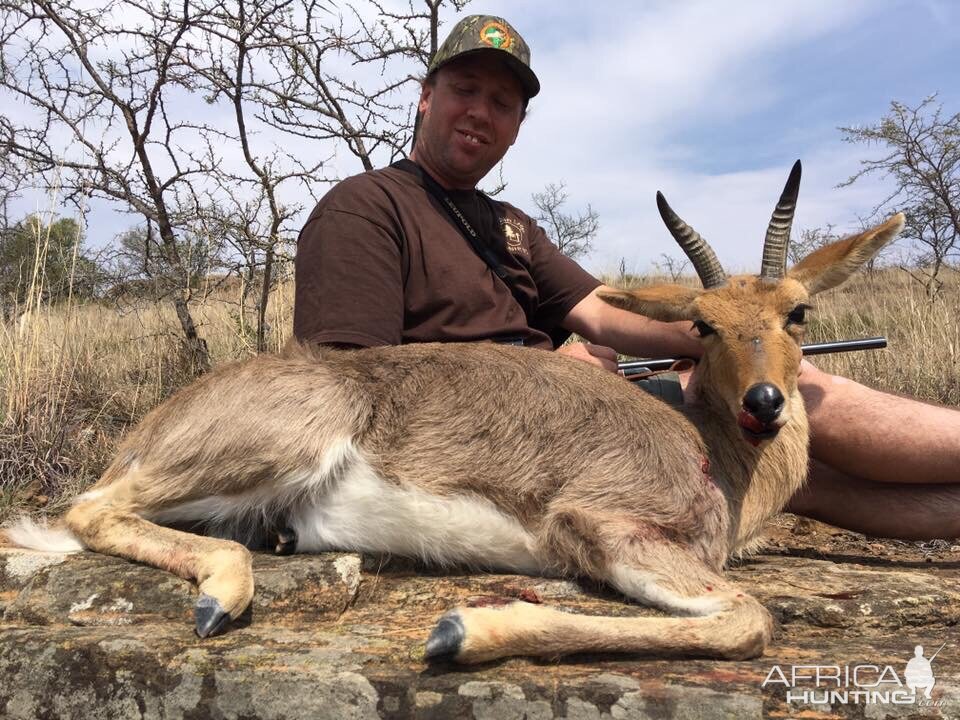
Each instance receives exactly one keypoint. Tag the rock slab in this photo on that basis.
(339, 636)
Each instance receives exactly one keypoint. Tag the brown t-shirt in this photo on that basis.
(380, 262)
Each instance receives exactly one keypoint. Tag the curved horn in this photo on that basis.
(704, 260)
(774, 263)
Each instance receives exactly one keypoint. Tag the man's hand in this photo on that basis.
(598, 355)
(690, 384)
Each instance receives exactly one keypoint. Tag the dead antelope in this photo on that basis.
(497, 457)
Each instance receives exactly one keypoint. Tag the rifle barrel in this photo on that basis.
(635, 367)
(874, 343)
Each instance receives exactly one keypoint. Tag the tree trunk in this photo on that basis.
(264, 297)
(195, 346)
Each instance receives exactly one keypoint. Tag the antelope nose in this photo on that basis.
(764, 401)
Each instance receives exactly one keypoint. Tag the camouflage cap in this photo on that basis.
(476, 33)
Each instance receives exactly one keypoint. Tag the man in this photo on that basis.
(387, 258)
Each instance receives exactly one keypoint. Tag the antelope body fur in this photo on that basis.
(495, 457)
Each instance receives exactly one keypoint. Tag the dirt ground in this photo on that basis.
(801, 537)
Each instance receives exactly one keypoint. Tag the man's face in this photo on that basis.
(471, 116)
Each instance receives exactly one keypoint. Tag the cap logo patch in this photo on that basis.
(496, 35)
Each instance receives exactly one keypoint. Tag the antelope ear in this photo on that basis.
(831, 265)
(658, 302)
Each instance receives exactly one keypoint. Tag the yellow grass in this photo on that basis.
(923, 359)
(73, 377)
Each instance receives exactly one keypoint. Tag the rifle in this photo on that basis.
(937, 652)
(637, 367)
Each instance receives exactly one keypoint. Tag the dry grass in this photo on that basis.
(923, 359)
(74, 377)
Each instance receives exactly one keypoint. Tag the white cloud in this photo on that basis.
(646, 65)
(633, 95)
(730, 209)
(626, 101)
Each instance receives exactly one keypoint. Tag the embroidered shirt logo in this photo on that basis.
(513, 232)
(496, 35)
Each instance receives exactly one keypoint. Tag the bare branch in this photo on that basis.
(572, 234)
(97, 82)
(922, 158)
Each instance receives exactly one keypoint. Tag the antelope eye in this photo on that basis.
(797, 316)
(703, 328)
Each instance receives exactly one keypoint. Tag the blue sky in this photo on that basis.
(711, 103)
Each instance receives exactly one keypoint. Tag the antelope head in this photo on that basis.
(751, 326)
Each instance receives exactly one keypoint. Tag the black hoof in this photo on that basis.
(445, 640)
(286, 542)
(211, 619)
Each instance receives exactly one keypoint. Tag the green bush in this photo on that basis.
(44, 261)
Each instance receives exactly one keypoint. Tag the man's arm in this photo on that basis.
(629, 333)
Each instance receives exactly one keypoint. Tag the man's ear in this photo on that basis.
(658, 302)
(832, 264)
(426, 90)
(516, 134)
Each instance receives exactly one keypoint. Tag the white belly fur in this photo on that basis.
(344, 505)
(363, 512)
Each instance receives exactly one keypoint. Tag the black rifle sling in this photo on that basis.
(466, 229)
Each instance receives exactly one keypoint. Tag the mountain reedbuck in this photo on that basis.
(498, 457)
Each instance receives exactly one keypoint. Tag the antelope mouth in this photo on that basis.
(754, 431)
